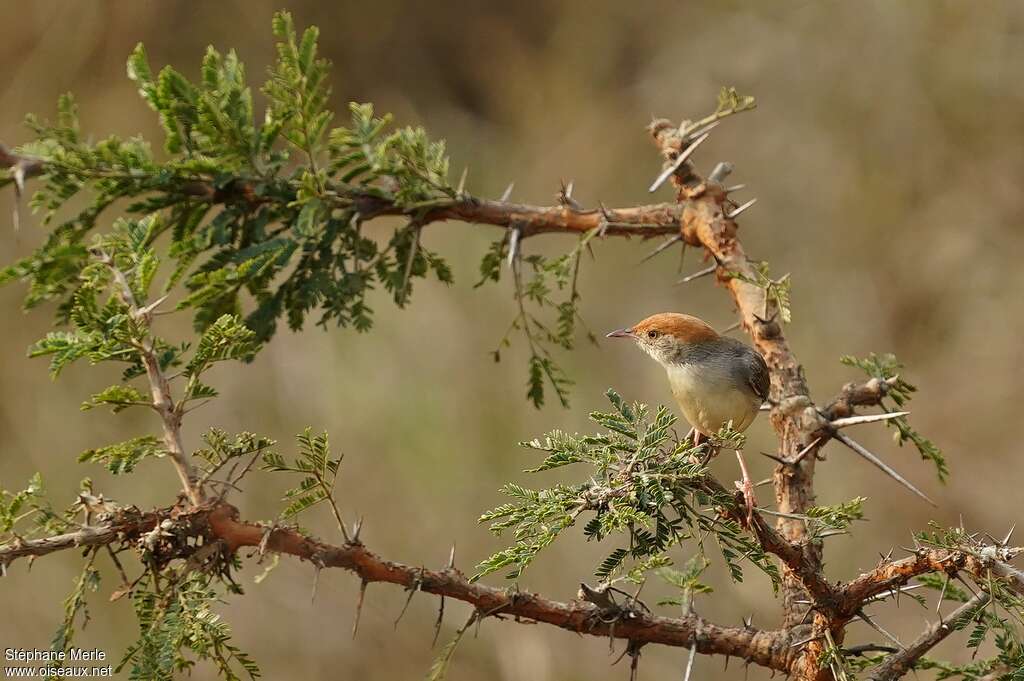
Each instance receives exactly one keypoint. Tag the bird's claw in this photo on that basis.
(747, 487)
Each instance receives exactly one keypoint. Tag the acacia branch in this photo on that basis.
(793, 556)
(127, 523)
(567, 218)
(160, 389)
(896, 665)
(870, 393)
(892, 574)
(220, 522)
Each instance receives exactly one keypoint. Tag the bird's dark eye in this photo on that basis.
(652, 334)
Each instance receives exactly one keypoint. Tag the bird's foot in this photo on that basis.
(747, 487)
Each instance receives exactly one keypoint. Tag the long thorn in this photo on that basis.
(805, 451)
(508, 192)
(680, 160)
(662, 247)
(868, 418)
(732, 327)
(880, 630)
(359, 607)
(890, 594)
(704, 130)
(734, 213)
(859, 449)
(806, 641)
(735, 188)
(462, 181)
(412, 592)
(437, 623)
(513, 245)
(689, 662)
(942, 594)
(316, 583)
(697, 275)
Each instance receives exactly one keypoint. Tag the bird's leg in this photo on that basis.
(747, 486)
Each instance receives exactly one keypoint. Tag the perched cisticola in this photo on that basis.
(716, 380)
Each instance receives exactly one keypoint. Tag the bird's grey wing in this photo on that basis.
(757, 375)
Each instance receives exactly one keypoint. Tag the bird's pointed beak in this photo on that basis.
(621, 333)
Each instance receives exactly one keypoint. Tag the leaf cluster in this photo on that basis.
(177, 627)
(886, 368)
(317, 468)
(643, 486)
(261, 215)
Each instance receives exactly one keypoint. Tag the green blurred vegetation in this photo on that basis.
(885, 154)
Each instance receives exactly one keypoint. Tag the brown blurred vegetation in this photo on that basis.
(886, 154)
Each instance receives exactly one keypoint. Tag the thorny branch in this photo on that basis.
(219, 522)
(160, 388)
(896, 665)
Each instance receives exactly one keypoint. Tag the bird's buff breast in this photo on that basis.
(709, 400)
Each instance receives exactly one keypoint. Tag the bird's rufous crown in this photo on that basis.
(684, 327)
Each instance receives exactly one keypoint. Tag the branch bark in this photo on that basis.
(892, 574)
(160, 389)
(567, 218)
(896, 665)
(220, 522)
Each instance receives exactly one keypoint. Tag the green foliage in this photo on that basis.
(439, 668)
(777, 292)
(297, 88)
(318, 469)
(732, 102)
(885, 368)
(551, 288)
(122, 457)
(222, 449)
(837, 517)
(687, 581)
(17, 506)
(263, 216)
(643, 485)
(250, 234)
(177, 621)
(75, 604)
(1001, 621)
(118, 398)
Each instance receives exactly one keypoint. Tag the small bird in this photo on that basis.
(716, 380)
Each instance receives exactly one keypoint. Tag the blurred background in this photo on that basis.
(885, 154)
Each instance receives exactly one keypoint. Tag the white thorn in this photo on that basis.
(859, 449)
(868, 418)
(689, 662)
(703, 131)
(698, 274)
(508, 192)
(748, 204)
(680, 160)
(513, 246)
